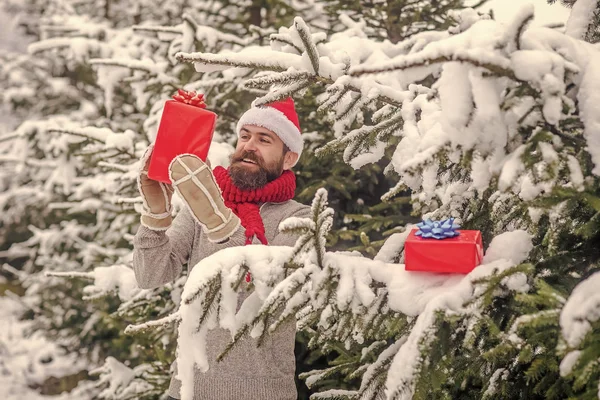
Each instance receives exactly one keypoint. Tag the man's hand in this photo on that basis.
(196, 185)
(156, 197)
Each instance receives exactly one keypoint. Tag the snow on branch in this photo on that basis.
(339, 289)
(580, 18)
(132, 64)
(157, 29)
(63, 43)
(581, 311)
(118, 279)
(173, 318)
(493, 63)
(275, 62)
(309, 46)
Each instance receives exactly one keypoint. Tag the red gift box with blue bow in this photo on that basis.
(438, 246)
(185, 128)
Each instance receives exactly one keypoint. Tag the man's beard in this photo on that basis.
(247, 179)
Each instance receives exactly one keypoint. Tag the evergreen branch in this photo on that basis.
(350, 107)
(173, 318)
(275, 302)
(374, 378)
(498, 67)
(337, 92)
(529, 319)
(357, 137)
(205, 30)
(49, 44)
(84, 275)
(134, 65)
(494, 281)
(311, 49)
(11, 136)
(230, 61)
(128, 200)
(156, 29)
(209, 304)
(278, 37)
(61, 30)
(188, 19)
(302, 245)
(244, 270)
(378, 312)
(290, 313)
(324, 223)
(29, 162)
(271, 306)
(215, 281)
(282, 93)
(312, 378)
(94, 296)
(74, 133)
(262, 32)
(73, 204)
(335, 394)
(118, 167)
(521, 25)
(93, 139)
(284, 78)
(383, 113)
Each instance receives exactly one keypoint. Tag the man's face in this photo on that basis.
(259, 158)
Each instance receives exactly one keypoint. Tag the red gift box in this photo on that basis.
(185, 127)
(459, 254)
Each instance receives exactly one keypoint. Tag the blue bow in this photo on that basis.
(443, 229)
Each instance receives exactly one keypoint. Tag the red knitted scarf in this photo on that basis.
(245, 203)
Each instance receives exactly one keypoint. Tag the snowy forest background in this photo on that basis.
(410, 109)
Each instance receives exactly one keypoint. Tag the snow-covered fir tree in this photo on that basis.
(493, 124)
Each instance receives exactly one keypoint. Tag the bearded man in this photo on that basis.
(238, 206)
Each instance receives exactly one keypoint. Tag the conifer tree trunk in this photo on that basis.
(254, 11)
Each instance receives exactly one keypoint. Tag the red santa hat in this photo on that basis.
(279, 117)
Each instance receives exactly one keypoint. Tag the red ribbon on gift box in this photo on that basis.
(192, 98)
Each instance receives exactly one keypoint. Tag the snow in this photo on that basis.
(580, 18)
(120, 381)
(514, 246)
(581, 310)
(576, 175)
(393, 245)
(589, 101)
(122, 141)
(490, 391)
(28, 358)
(116, 278)
(511, 168)
(568, 362)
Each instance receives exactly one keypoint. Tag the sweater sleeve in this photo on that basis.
(159, 256)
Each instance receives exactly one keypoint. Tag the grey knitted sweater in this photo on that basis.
(248, 372)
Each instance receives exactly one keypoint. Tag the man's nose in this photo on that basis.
(250, 145)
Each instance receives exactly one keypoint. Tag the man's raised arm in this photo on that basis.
(162, 245)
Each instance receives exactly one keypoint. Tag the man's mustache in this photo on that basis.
(249, 156)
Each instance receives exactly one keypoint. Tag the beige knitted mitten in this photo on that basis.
(195, 183)
(156, 197)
